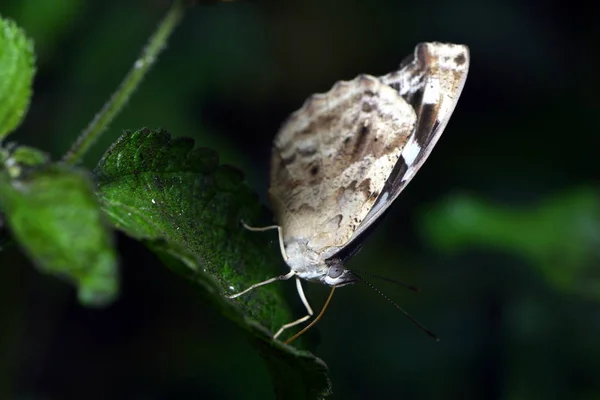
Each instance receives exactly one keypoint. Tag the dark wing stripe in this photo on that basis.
(431, 84)
(392, 185)
(427, 120)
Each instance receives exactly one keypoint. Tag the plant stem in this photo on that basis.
(133, 78)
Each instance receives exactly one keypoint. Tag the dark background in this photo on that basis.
(501, 228)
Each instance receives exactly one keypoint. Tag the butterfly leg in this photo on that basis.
(299, 320)
(268, 228)
(276, 278)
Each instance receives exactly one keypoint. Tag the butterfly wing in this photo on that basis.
(431, 81)
(331, 159)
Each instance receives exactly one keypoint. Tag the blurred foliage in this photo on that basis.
(16, 75)
(560, 236)
(46, 20)
(17, 159)
(54, 215)
(509, 282)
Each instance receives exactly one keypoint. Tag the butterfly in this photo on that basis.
(341, 160)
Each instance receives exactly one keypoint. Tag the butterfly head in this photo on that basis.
(337, 275)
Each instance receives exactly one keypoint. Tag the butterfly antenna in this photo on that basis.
(314, 321)
(410, 317)
(415, 289)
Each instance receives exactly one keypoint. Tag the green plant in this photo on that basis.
(174, 197)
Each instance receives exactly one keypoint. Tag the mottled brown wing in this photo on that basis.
(332, 157)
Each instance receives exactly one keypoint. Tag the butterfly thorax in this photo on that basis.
(312, 266)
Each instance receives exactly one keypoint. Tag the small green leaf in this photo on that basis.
(15, 161)
(20, 159)
(17, 66)
(53, 214)
(561, 236)
(26, 156)
(168, 192)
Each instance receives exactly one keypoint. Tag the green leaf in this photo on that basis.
(54, 216)
(187, 208)
(16, 75)
(15, 161)
(20, 159)
(26, 156)
(296, 374)
(561, 236)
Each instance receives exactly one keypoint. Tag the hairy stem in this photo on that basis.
(133, 78)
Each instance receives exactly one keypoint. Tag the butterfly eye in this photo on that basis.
(335, 271)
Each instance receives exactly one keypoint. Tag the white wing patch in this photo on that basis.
(411, 151)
